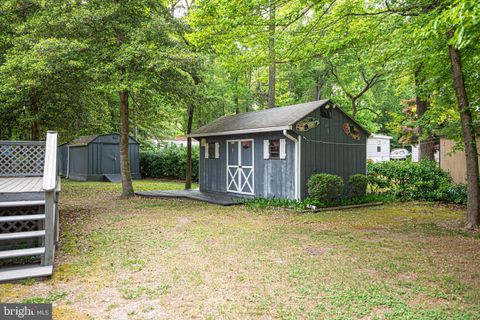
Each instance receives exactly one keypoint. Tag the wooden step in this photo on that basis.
(22, 252)
(22, 235)
(22, 272)
(14, 204)
(24, 217)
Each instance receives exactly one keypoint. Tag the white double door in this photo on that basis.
(240, 166)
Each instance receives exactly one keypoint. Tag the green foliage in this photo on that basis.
(65, 73)
(312, 203)
(456, 194)
(53, 297)
(325, 187)
(357, 185)
(413, 181)
(168, 162)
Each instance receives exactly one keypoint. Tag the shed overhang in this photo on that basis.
(235, 132)
(266, 120)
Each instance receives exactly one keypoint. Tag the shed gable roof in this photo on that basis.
(83, 141)
(267, 120)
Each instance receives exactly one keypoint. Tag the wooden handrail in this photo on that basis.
(50, 168)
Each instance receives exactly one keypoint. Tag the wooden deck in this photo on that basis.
(21, 188)
(21, 184)
(215, 198)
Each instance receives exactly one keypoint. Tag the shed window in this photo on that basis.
(212, 150)
(379, 148)
(246, 144)
(274, 149)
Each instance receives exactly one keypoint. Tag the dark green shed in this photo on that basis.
(272, 153)
(96, 158)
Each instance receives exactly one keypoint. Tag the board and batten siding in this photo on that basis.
(272, 177)
(319, 157)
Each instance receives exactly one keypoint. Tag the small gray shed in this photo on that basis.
(96, 158)
(62, 156)
(272, 153)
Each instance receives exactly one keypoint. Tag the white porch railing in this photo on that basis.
(28, 169)
(49, 186)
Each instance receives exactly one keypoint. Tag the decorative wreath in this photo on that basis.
(351, 130)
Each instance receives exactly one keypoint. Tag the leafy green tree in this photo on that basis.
(134, 48)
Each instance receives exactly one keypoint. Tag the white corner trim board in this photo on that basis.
(50, 168)
(297, 161)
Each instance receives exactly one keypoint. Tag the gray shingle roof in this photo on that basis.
(263, 120)
(83, 141)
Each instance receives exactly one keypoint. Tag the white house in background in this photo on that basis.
(378, 148)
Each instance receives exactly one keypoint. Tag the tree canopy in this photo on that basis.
(167, 66)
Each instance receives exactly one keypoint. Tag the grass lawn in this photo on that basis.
(151, 258)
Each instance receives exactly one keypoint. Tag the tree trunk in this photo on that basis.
(318, 87)
(235, 101)
(127, 186)
(426, 148)
(35, 126)
(354, 107)
(135, 128)
(470, 144)
(188, 164)
(35, 132)
(272, 69)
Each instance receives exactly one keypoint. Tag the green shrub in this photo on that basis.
(325, 187)
(168, 162)
(456, 193)
(409, 181)
(311, 203)
(357, 185)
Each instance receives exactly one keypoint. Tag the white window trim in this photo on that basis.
(282, 152)
(217, 150)
(207, 148)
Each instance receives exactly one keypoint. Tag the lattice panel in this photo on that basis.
(21, 159)
(19, 226)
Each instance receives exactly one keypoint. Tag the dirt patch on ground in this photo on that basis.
(316, 251)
